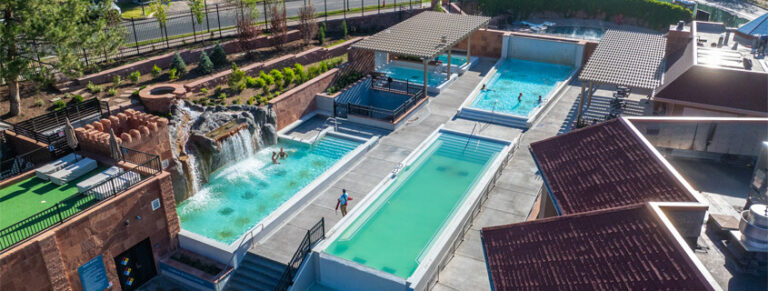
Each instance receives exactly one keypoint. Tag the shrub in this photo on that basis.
(116, 81)
(277, 76)
(270, 80)
(251, 100)
(135, 77)
(135, 94)
(59, 105)
(172, 74)
(236, 78)
(250, 82)
(289, 75)
(156, 71)
(323, 67)
(218, 56)
(264, 76)
(39, 102)
(204, 91)
(222, 96)
(236, 101)
(94, 88)
(344, 28)
(218, 90)
(178, 64)
(204, 66)
(260, 83)
(299, 70)
(78, 98)
(112, 92)
(312, 71)
(321, 35)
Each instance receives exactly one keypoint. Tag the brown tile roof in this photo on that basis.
(624, 248)
(604, 166)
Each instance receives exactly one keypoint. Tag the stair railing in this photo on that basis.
(314, 234)
(232, 257)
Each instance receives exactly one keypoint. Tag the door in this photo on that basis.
(136, 266)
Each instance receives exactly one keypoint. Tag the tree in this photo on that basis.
(307, 23)
(246, 31)
(344, 28)
(205, 66)
(279, 26)
(179, 64)
(68, 27)
(198, 9)
(219, 56)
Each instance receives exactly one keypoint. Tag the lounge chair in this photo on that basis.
(73, 171)
(50, 168)
(99, 178)
(120, 182)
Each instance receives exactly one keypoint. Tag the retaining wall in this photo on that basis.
(295, 103)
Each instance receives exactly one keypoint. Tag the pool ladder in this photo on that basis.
(397, 169)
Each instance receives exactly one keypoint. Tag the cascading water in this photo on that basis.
(194, 173)
(236, 147)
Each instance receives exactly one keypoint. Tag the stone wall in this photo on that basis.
(307, 57)
(136, 130)
(22, 144)
(485, 43)
(50, 260)
(295, 103)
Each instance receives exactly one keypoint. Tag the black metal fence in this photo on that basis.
(404, 87)
(73, 205)
(314, 234)
(24, 162)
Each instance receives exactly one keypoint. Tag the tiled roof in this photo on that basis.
(604, 166)
(627, 58)
(421, 35)
(625, 248)
(756, 27)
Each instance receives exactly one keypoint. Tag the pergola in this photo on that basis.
(425, 36)
(624, 58)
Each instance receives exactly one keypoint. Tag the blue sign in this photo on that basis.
(93, 275)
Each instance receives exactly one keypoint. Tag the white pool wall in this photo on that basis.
(342, 274)
(233, 253)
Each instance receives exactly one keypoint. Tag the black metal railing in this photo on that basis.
(416, 94)
(314, 234)
(23, 163)
(61, 211)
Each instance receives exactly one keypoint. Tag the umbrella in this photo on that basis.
(114, 148)
(69, 133)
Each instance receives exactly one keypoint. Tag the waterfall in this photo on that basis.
(236, 148)
(194, 173)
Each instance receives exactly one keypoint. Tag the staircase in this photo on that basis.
(256, 273)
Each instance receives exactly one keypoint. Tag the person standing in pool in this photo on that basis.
(539, 98)
(274, 158)
(520, 97)
(282, 154)
(343, 201)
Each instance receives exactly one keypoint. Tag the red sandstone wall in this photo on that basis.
(485, 43)
(22, 144)
(292, 105)
(50, 261)
(136, 130)
(589, 49)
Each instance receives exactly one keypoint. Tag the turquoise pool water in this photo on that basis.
(513, 77)
(239, 196)
(413, 75)
(455, 60)
(397, 229)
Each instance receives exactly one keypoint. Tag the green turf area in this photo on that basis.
(25, 198)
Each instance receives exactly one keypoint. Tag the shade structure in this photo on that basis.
(69, 134)
(757, 27)
(626, 58)
(114, 147)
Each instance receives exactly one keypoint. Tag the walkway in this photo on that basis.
(374, 166)
(509, 202)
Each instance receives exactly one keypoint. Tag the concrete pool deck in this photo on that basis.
(373, 167)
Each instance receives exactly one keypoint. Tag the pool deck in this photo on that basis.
(373, 167)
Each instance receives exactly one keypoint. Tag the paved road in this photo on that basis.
(180, 24)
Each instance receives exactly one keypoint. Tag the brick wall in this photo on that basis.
(136, 130)
(589, 49)
(292, 105)
(485, 43)
(50, 261)
(22, 144)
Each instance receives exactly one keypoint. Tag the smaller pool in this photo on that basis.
(578, 32)
(457, 60)
(413, 75)
(514, 76)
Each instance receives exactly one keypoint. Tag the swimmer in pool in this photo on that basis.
(539, 98)
(520, 97)
(274, 158)
(282, 154)
(483, 87)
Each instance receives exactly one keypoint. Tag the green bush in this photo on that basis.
(222, 96)
(251, 100)
(135, 93)
(344, 29)
(218, 56)
(289, 75)
(277, 76)
(204, 66)
(250, 82)
(323, 66)
(312, 71)
(204, 91)
(218, 90)
(656, 14)
(321, 35)
(116, 81)
(135, 77)
(179, 64)
(78, 98)
(39, 102)
(345, 80)
(270, 80)
(172, 74)
(94, 88)
(156, 71)
(112, 92)
(236, 78)
(299, 70)
(59, 105)
(260, 83)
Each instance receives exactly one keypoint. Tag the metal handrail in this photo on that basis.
(229, 263)
(305, 246)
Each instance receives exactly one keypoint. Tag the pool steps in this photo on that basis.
(256, 273)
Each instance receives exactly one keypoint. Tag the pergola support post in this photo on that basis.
(449, 64)
(469, 45)
(592, 88)
(581, 103)
(426, 75)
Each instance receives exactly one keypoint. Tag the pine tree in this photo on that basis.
(205, 66)
(219, 56)
(179, 64)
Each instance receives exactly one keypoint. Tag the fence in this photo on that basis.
(314, 234)
(416, 93)
(73, 205)
(23, 163)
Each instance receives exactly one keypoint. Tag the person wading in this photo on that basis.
(343, 201)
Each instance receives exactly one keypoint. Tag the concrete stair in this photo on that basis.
(256, 273)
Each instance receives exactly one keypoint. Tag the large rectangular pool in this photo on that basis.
(239, 196)
(397, 230)
(514, 76)
(413, 75)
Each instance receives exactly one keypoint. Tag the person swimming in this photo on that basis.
(282, 154)
(274, 158)
(520, 97)
(539, 98)
(483, 87)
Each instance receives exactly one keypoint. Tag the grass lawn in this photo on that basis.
(131, 9)
(30, 196)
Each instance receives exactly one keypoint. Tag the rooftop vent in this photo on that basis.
(680, 25)
(754, 227)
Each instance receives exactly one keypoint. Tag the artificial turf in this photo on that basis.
(32, 195)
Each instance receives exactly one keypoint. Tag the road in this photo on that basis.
(182, 24)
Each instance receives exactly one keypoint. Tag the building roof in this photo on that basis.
(625, 248)
(422, 35)
(756, 27)
(632, 59)
(603, 166)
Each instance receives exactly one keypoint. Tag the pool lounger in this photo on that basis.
(50, 168)
(73, 171)
(99, 178)
(120, 182)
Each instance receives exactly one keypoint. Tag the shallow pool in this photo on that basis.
(577, 32)
(239, 196)
(514, 76)
(456, 60)
(399, 227)
(415, 76)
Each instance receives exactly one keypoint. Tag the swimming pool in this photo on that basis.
(457, 60)
(400, 226)
(578, 32)
(414, 75)
(514, 76)
(239, 196)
